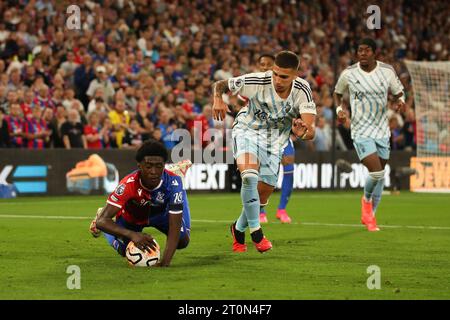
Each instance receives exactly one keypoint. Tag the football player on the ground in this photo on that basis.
(151, 196)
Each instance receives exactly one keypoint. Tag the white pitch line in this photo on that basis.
(300, 195)
(338, 225)
(20, 216)
(380, 225)
(34, 202)
(14, 216)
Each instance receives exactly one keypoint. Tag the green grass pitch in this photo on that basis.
(324, 254)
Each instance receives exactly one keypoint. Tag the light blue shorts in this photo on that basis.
(269, 162)
(367, 146)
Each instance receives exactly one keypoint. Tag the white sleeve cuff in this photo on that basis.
(114, 204)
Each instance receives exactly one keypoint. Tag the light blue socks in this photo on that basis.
(250, 199)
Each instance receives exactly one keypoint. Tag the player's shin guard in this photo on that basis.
(286, 186)
(371, 181)
(250, 197)
(376, 196)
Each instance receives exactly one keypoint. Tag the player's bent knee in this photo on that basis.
(183, 243)
(377, 175)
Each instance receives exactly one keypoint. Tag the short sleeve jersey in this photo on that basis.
(368, 93)
(138, 204)
(267, 116)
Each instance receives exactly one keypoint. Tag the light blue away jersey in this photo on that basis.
(267, 117)
(368, 98)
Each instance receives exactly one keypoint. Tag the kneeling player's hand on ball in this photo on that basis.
(143, 241)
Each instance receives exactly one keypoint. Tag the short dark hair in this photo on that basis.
(368, 42)
(266, 55)
(151, 148)
(287, 59)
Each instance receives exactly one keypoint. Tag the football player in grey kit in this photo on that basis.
(279, 103)
(368, 83)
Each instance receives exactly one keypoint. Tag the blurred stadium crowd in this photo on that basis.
(140, 69)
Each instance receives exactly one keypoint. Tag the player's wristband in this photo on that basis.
(339, 109)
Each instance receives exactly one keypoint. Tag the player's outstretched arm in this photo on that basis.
(106, 224)
(220, 108)
(173, 238)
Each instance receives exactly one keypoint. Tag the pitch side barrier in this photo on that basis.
(67, 172)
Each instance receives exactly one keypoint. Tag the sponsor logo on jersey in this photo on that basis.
(175, 183)
(130, 179)
(359, 95)
(146, 203)
(114, 198)
(139, 192)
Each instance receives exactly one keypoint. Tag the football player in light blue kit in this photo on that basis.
(265, 63)
(368, 83)
(279, 103)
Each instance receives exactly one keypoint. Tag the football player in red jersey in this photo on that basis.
(151, 196)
